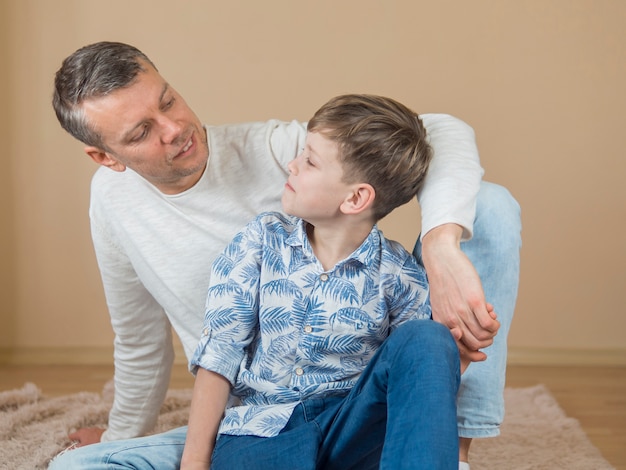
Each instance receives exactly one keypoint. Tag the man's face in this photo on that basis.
(149, 128)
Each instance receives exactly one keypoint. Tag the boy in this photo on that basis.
(300, 307)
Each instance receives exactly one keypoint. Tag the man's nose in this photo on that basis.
(171, 130)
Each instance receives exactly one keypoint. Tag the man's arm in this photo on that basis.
(456, 295)
(451, 186)
(143, 353)
(286, 141)
(448, 203)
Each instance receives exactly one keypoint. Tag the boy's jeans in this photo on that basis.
(401, 414)
(494, 251)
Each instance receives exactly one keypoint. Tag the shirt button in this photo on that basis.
(299, 371)
(308, 329)
(205, 332)
(324, 277)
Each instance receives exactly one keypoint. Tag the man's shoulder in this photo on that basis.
(112, 192)
(276, 134)
(256, 143)
(110, 182)
(252, 127)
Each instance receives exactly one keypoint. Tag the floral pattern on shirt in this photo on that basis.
(282, 329)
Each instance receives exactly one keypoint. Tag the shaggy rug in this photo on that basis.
(536, 433)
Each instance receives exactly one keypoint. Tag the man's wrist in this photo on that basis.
(442, 237)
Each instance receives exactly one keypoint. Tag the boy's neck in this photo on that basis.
(334, 242)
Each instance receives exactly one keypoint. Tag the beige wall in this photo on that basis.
(7, 209)
(541, 82)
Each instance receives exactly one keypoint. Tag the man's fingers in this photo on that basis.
(457, 333)
(473, 344)
(471, 355)
(491, 311)
(475, 340)
(475, 329)
(485, 322)
(86, 436)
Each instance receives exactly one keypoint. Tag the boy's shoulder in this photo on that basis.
(395, 253)
(274, 217)
(274, 222)
(393, 247)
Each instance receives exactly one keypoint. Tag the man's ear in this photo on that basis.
(361, 198)
(104, 158)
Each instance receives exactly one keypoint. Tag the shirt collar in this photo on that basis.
(363, 254)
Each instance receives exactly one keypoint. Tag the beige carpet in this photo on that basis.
(536, 434)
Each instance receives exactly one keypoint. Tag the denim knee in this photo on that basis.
(498, 217)
(419, 340)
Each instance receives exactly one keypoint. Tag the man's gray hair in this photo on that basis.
(93, 71)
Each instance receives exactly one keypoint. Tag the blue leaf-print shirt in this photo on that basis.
(282, 329)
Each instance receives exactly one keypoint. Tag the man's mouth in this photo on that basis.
(186, 147)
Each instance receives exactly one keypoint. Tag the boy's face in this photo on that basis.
(315, 189)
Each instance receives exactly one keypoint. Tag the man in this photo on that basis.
(178, 192)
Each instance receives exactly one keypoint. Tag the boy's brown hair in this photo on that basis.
(381, 142)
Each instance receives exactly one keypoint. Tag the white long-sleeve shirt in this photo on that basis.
(155, 250)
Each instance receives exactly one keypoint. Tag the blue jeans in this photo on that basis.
(494, 251)
(401, 414)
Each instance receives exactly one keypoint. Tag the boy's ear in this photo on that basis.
(104, 158)
(361, 198)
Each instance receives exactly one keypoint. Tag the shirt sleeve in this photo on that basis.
(287, 141)
(143, 344)
(453, 180)
(408, 293)
(232, 305)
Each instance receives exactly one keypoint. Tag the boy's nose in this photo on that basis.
(292, 166)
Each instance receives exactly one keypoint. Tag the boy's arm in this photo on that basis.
(230, 322)
(210, 395)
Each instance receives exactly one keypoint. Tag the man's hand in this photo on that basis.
(456, 293)
(86, 436)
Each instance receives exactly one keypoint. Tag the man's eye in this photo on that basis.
(139, 137)
(168, 104)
